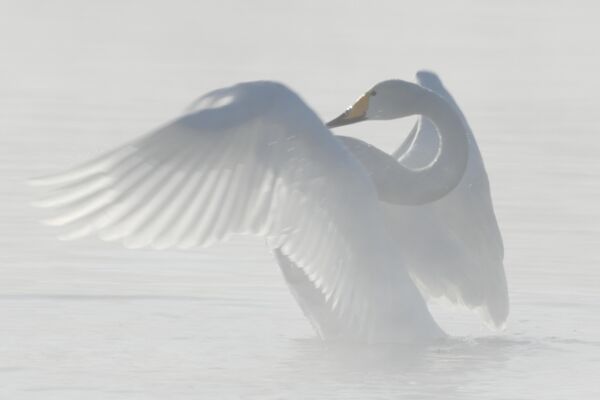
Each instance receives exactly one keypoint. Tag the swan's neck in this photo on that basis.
(398, 184)
(442, 175)
(427, 184)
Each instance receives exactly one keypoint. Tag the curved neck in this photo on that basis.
(398, 184)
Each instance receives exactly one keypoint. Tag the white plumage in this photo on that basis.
(254, 160)
(356, 232)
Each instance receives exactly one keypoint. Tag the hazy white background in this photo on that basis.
(89, 320)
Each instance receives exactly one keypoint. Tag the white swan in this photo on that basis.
(253, 158)
(453, 247)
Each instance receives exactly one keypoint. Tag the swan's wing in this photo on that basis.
(311, 300)
(457, 250)
(245, 167)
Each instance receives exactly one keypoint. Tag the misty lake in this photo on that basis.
(91, 320)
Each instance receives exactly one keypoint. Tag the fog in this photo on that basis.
(89, 319)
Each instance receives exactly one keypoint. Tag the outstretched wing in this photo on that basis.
(457, 249)
(259, 162)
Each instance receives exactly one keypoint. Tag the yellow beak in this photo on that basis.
(356, 113)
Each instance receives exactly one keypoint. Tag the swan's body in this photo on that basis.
(452, 246)
(254, 159)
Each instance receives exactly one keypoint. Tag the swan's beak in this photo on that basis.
(356, 113)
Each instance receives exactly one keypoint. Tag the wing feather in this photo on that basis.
(268, 168)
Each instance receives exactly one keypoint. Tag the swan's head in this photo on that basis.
(386, 100)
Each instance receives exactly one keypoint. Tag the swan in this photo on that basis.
(253, 158)
(452, 246)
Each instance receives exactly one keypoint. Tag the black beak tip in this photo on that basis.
(343, 120)
(334, 123)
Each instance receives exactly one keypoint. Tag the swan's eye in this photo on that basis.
(373, 93)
